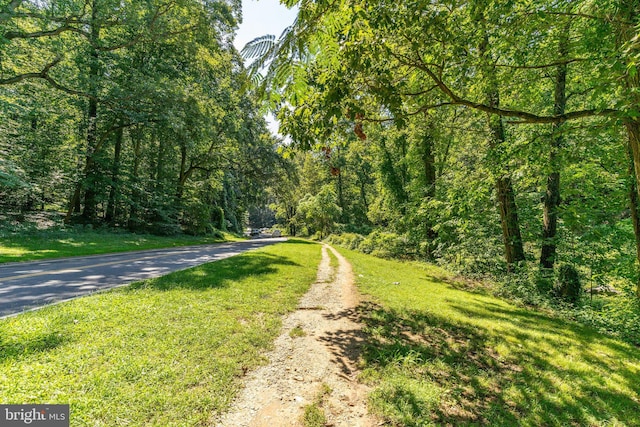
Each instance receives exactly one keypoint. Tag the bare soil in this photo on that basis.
(322, 351)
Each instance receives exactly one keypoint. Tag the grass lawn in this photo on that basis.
(439, 354)
(36, 245)
(165, 352)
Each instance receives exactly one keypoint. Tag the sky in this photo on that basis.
(262, 17)
(259, 18)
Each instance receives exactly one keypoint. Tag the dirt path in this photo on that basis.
(319, 355)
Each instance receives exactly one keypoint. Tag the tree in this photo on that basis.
(135, 111)
(319, 212)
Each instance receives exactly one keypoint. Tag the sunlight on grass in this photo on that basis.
(438, 354)
(165, 352)
(61, 243)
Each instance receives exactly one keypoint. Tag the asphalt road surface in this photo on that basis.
(29, 285)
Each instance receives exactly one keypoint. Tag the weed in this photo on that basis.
(314, 414)
(297, 332)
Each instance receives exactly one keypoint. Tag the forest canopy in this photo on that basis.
(131, 114)
(497, 138)
(493, 137)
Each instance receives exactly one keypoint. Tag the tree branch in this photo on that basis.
(524, 116)
(538, 67)
(44, 75)
(582, 15)
(6, 14)
(37, 34)
(39, 75)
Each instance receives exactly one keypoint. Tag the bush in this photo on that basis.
(568, 286)
(348, 240)
(528, 285)
(214, 232)
(378, 243)
(164, 229)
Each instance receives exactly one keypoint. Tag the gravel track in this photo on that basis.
(301, 367)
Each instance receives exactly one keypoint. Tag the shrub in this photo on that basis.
(528, 285)
(387, 245)
(348, 240)
(568, 286)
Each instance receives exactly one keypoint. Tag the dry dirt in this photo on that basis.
(301, 367)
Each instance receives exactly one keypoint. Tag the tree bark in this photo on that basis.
(513, 249)
(429, 170)
(393, 180)
(429, 165)
(136, 195)
(629, 12)
(184, 174)
(552, 194)
(633, 131)
(633, 200)
(112, 204)
(511, 236)
(90, 203)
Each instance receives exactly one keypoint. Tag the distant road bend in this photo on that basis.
(28, 285)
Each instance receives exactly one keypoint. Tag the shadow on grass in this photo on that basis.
(479, 386)
(216, 274)
(22, 348)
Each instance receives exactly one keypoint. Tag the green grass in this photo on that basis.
(440, 354)
(334, 264)
(165, 352)
(36, 245)
(313, 415)
(333, 260)
(297, 332)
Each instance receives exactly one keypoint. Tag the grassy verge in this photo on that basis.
(440, 354)
(36, 245)
(164, 352)
(334, 264)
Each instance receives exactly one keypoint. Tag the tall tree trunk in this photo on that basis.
(136, 195)
(112, 204)
(393, 180)
(633, 200)
(511, 236)
(74, 203)
(363, 194)
(183, 175)
(340, 186)
(552, 195)
(628, 19)
(429, 169)
(633, 131)
(90, 203)
(89, 185)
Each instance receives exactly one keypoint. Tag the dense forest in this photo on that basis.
(498, 138)
(129, 114)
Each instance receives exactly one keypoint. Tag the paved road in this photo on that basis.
(28, 285)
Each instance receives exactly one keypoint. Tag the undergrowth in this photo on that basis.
(439, 352)
(617, 315)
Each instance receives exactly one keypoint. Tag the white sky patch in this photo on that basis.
(262, 17)
(259, 18)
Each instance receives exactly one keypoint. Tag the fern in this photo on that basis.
(258, 47)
